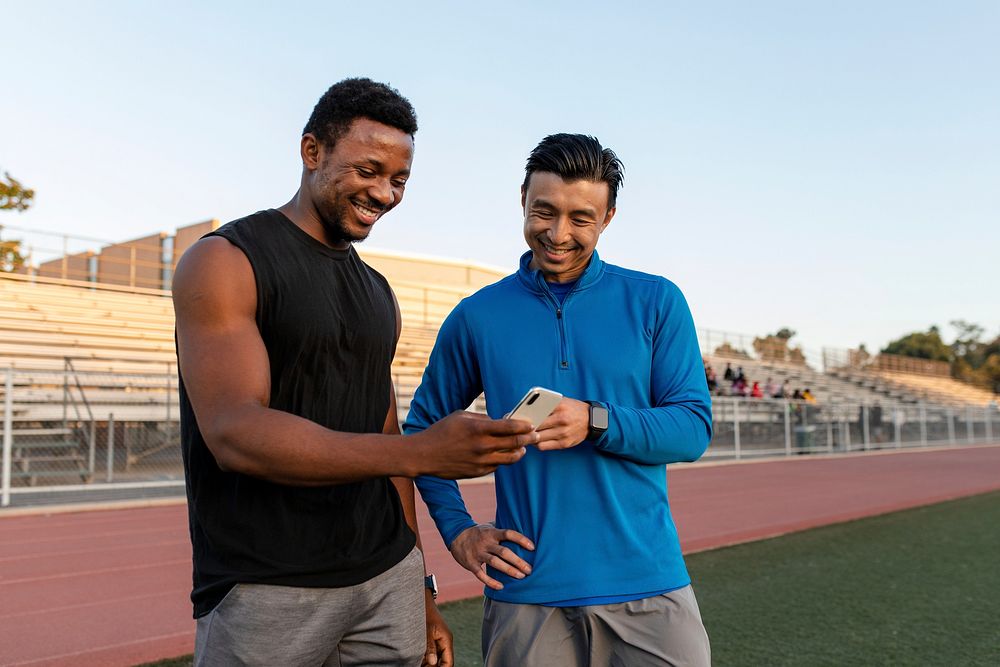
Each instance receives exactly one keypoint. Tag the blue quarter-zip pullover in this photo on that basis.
(598, 512)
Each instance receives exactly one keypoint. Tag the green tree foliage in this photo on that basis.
(920, 345)
(972, 360)
(13, 197)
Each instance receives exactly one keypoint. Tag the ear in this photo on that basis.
(524, 194)
(311, 151)
(607, 218)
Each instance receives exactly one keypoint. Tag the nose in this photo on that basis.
(559, 231)
(381, 191)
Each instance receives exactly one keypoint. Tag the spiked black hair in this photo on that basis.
(577, 157)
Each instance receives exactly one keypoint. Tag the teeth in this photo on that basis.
(365, 210)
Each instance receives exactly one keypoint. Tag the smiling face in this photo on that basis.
(357, 181)
(562, 223)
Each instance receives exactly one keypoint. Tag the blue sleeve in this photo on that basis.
(679, 425)
(451, 382)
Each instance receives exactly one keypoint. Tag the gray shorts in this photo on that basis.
(657, 631)
(379, 622)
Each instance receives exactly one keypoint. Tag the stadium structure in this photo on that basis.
(88, 374)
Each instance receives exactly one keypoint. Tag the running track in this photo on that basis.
(110, 587)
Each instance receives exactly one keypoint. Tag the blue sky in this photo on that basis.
(833, 167)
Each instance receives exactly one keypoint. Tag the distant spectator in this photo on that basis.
(797, 395)
(807, 396)
(711, 378)
(729, 376)
(772, 389)
(740, 375)
(785, 390)
(756, 391)
(739, 387)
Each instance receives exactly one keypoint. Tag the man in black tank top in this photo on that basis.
(300, 497)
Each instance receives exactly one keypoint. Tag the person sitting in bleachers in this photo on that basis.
(784, 391)
(711, 378)
(772, 389)
(756, 391)
(807, 396)
(729, 375)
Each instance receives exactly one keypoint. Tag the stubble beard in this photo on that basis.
(335, 229)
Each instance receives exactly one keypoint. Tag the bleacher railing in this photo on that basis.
(133, 439)
(861, 360)
(747, 427)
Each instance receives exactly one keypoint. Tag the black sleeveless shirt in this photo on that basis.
(329, 325)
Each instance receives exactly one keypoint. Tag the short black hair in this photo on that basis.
(577, 157)
(355, 98)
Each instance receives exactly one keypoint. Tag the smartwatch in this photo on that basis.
(598, 420)
(431, 584)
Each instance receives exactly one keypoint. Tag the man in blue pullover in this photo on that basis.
(583, 564)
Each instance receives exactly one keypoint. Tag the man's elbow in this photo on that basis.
(699, 443)
(225, 437)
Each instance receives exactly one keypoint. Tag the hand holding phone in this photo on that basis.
(537, 404)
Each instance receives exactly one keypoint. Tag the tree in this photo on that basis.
(921, 346)
(971, 359)
(967, 345)
(13, 197)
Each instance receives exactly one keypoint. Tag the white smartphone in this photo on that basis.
(536, 405)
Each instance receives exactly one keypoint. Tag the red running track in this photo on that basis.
(111, 587)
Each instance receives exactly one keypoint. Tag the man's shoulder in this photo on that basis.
(639, 280)
(486, 297)
(246, 224)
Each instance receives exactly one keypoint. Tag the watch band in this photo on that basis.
(431, 584)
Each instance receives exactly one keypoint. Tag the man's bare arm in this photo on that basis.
(226, 374)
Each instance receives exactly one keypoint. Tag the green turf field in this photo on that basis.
(920, 587)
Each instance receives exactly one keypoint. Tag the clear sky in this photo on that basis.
(833, 167)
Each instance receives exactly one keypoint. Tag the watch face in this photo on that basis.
(599, 418)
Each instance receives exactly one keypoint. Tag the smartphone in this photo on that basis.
(536, 405)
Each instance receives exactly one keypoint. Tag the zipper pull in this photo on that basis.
(558, 313)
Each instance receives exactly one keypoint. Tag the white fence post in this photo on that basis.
(736, 426)
(91, 448)
(866, 429)
(788, 429)
(923, 424)
(111, 448)
(8, 436)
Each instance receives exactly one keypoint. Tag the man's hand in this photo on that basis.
(478, 546)
(439, 639)
(566, 427)
(465, 444)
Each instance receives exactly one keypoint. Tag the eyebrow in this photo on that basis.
(544, 203)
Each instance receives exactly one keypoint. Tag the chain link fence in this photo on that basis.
(748, 427)
(76, 436)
